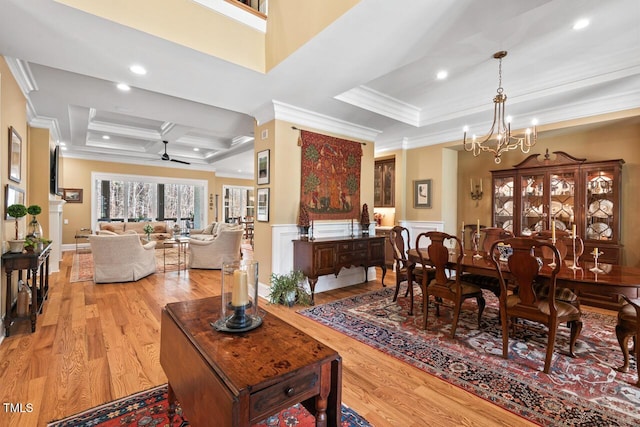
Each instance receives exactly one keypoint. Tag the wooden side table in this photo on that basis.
(83, 233)
(33, 262)
(234, 380)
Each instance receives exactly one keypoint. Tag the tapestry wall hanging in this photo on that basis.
(330, 186)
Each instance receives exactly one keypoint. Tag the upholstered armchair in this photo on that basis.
(209, 254)
(121, 258)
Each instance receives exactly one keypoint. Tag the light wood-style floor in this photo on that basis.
(96, 343)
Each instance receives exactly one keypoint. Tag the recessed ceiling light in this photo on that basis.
(124, 87)
(442, 75)
(106, 137)
(196, 149)
(138, 69)
(580, 24)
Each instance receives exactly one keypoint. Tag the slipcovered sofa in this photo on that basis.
(121, 258)
(210, 253)
(161, 230)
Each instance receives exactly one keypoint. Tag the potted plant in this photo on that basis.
(16, 211)
(148, 229)
(35, 229)
(289, 289)
(31, 243)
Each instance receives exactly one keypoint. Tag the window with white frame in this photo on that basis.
(131, 198)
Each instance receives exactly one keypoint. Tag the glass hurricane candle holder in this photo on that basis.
(239, 310)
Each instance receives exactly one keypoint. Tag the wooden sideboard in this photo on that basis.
(324, 256)
(37, 266)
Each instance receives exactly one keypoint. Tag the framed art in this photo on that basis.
(12, 195)
(263, 167)
(422, 193)
(72, 195)
(15, 155)
(263, 205)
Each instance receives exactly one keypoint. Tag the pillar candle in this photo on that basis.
(239, 293)
(463, 226)
(481, 185)
(573, 231)
(553, 230)
(478, 227)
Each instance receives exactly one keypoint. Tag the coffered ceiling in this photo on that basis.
(372, 73)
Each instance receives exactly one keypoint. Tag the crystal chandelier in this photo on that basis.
(502, 140)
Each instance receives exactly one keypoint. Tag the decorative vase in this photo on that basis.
(35, 229)
(290, 298)
(304, 232)
(16, 246)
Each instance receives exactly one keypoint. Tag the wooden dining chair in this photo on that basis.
(629, 327)
(563, 238)
(448, 283)
(523, 268)
(400, 242)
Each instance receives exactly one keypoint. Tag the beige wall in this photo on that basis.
(38, 191)
(77, 174)
(292, 23)
(13, 112)
(187, 23)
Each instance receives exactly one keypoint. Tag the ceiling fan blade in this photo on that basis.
(180, 161)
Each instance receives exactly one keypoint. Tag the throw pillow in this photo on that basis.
(107, 227)
(208, 229)
(159, 229)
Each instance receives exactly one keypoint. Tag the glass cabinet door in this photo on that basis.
(601, 209)
(562, 192)
(532, 204)
(503, 202)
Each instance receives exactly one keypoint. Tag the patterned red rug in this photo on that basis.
(82, 266)
(584, 391)
(149, 408)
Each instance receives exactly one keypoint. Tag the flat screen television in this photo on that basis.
(54, 163)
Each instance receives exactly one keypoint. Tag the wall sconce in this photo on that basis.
(476, 190)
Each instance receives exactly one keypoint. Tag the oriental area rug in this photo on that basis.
(586, 390)
(82, 266)
(149, 408)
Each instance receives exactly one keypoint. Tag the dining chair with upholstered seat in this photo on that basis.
(447, 283)
(523, 268)
(400, 242)
(629, 327)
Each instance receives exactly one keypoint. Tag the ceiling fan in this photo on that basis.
(166, 157)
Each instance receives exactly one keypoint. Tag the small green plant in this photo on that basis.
(30, 244)
(17, 211)
(34, 210)
(289, 289)
(148, 229)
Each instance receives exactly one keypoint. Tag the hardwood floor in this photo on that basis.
(96, 343)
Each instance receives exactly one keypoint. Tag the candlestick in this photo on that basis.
(478, 227)
(471, 184)
(573, 231)
(239, 293)
(553, 231)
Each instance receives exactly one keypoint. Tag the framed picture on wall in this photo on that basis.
(422, 193)
(263, 205)
(72, 195)
(15, 155)
(263, 167)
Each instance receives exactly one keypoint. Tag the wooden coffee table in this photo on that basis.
(234, 380)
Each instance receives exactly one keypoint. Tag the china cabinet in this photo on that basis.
(564, 191)
(384, 183)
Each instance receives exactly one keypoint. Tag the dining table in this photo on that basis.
(613, 279)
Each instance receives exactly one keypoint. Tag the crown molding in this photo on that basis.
(22, 73)
(47, 123)
(378, 102)
(293, 114)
